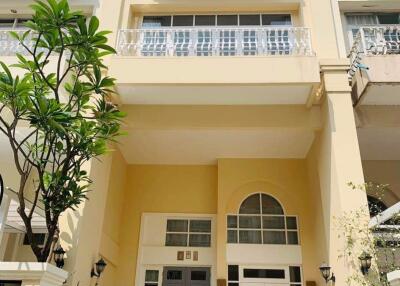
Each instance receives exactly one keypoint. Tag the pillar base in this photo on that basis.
(33, 273)
(394, 278)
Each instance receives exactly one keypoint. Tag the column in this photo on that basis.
(339, 163)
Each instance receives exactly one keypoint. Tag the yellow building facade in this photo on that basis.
(246, 122)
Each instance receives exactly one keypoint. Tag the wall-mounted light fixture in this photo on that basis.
(326, 273)
(59, 256)
(365, 262)
(98, 268)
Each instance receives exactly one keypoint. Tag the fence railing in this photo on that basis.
(214, 41)
(374, 40)
(10, 46)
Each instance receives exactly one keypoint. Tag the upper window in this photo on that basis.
(217, 20)
(261, 220)
(188, 232)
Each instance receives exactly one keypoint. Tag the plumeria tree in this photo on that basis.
(56, 113)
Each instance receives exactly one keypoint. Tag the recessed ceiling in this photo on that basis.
(205, 146)
(214, 94)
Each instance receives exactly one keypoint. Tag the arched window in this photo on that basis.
(261, 220)
(261, 204)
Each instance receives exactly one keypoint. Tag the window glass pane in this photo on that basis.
(151, 276)
(232, 221)
(250, 236)
(174, 275)
(177, 225)
(184, 20)
(270, 205)
(293, 237)
(198, 275)
(232, 236)
(233, 284)
(200, 240)
(156, 21)
(264, 273)
(274, 237)
(249, 20)
(389, 18)
(200, 226)
(249, 222)
(205, 20)
(176, 239)
(291, 222)
(227, 20)
(147, 284)
(360, 20)
(274, 222)
(251, 205)
(276, 20)
(233, 272)
(295, 274)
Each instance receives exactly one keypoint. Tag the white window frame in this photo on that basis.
(188, 232)
(215, 15)
(262, 229)
(160, 274)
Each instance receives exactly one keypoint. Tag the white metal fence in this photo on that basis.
(214, 41)
(374, 40)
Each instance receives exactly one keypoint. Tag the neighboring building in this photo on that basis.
(245, 127)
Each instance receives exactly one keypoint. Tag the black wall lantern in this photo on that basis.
(98, 268)
(326, 273)
(59, 256)
(365, 261)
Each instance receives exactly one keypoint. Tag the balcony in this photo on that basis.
(215, 42)
(375, 65)
(251, 65)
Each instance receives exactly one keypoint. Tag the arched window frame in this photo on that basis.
(262, 228)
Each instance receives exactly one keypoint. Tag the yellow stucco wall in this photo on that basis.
(168, 189)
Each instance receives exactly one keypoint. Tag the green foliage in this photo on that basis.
(358, 237)
(68, 111)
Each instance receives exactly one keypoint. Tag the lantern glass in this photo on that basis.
(325, 271)
(100, 266)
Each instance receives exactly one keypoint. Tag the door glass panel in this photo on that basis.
(233, 272)
(250, 236)
(295, 274)
(227, 20)
(276, 20)
(174, 275)
(388, 19)
(198, 275)
(182, 21)
(205, 20)
(151, 276)
(249, 20)
(264, 273)
(156, 21)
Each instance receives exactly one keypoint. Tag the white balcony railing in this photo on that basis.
(215, 41)
(374, 40)
(10, 46)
